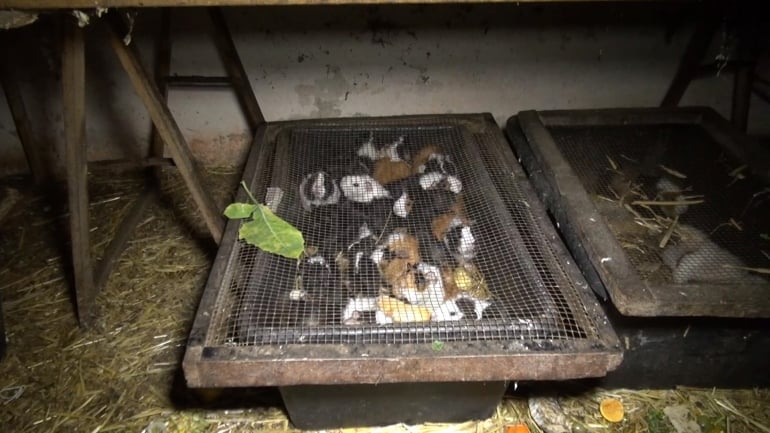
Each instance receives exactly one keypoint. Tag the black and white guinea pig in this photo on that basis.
(318, 273)
(440, 181)
(375, 214)
(434, 251)
(362, 188)
(318, 189)
(423, 196)
(460, 241)
(361, 275)
(394, 151)
(367, 149)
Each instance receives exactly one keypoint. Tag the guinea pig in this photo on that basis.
(423, 197)
(362, 189)
(367, 150)
(435, 162)
(460, 241)
(439, 181)
(318, 189)
(448, 311)
(395, 151)
(429, 290)
(387, 171)
(360, 275)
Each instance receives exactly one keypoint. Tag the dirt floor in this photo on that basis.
(124, 373)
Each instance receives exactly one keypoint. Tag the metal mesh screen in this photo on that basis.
(673, 186)
(414, 233)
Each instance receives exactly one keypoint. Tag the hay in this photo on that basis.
(124, 374)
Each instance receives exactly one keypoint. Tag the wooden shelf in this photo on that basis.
(90, 4)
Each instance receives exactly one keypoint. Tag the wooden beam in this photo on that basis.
(197, 81)
(167, 127)
(162, 67)
(232, 62)
(13, 95)
(743, 82)
(91, 4)
(693, 55)
(742, 88)
(122, 235)
(122, 165)
(73, 98)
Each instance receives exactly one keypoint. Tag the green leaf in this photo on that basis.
(270, 233)
(239, 210)
(437, 345)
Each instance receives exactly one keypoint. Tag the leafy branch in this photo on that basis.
(264, 229)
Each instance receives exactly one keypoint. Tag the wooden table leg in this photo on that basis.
(73, 86)
(232, 62)
(122, 236)
(167, 128)
(10, 85)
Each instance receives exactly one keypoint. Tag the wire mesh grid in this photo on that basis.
(413, 234)
(684, 210)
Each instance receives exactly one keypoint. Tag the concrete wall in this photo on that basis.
(309, 62)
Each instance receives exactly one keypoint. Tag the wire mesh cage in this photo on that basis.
(419, 232)
(686, 212)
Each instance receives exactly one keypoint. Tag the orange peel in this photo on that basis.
(517, 428)
(612, 410)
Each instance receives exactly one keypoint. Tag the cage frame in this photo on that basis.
(206, 365)
(600, 255)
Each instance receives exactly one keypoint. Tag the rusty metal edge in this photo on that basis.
(224, 366)
(197, 338)
(317, 365)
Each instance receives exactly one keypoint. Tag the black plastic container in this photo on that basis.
(314, 407)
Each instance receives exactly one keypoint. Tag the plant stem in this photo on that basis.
(251, 196)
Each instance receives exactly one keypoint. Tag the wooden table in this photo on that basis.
(88, 277)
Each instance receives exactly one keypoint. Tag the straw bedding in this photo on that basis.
(124, 374)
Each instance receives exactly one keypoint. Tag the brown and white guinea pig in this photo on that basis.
(396, 259)
(318, 189)
(387, 171)
(430, 159)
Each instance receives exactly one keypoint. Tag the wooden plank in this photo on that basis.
(743, 82)
(197, 81)
(73, 99)
(162, 67)
(167, 127)
(13, 95)
(232, 62)
(691, 59)
(122, 235)
(582, 219)
(90, 4)
(122, 165)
